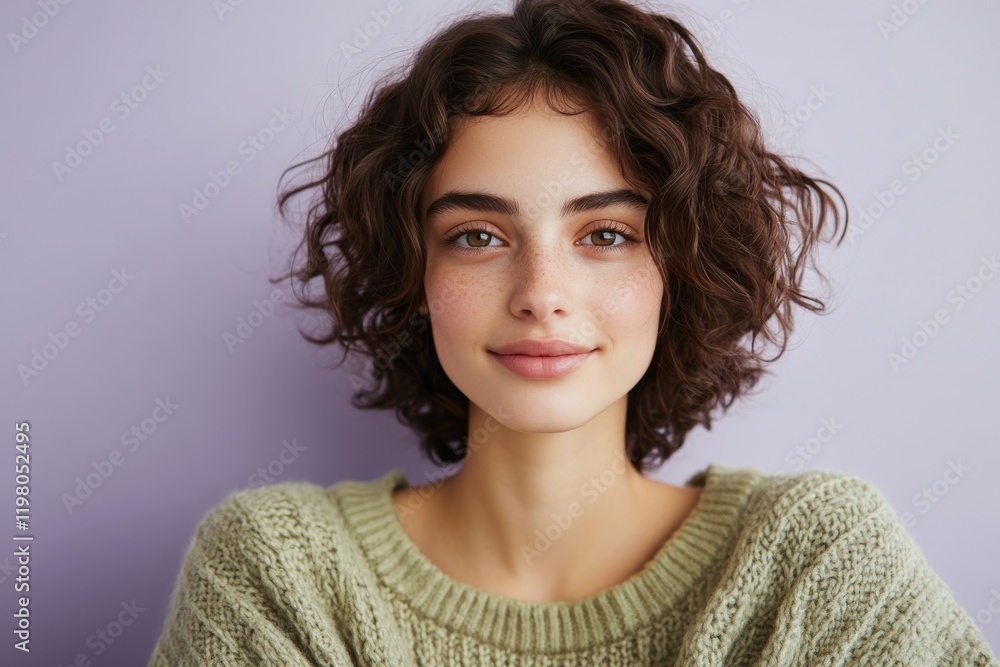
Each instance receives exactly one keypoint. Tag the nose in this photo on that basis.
(541, 282)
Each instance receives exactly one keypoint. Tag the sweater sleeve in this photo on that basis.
(871, 598)
(223, 609)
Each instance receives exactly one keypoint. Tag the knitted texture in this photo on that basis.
(810, 569)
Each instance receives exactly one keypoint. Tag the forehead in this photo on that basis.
(530, 153)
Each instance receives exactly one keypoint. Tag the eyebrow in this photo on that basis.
(481, 201)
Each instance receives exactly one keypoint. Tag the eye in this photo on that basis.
(479, 234)
(603, 236)
(606, 235)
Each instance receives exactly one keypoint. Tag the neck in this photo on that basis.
(548, 516)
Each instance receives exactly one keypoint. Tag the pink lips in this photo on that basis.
(541, 359)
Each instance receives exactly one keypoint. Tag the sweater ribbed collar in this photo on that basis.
(607, 616)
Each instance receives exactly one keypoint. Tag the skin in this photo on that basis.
(539, 449)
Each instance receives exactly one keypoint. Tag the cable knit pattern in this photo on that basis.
(810, 569)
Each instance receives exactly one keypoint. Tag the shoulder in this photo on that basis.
(279, 520)
(833, 538)
(824, 556)
(283, 557)
(833, 500)
(257, 511)
(298, 511)
(799, 517)
(289, 538)
(830, 498)
(278, 555)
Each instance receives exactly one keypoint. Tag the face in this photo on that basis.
(536, 255)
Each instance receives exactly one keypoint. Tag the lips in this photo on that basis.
(541, 367)
(533, 347)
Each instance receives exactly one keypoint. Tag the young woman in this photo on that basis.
(560, 239)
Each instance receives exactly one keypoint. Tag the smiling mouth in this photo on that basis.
(542, 367)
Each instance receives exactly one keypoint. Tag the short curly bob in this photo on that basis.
(721, 224)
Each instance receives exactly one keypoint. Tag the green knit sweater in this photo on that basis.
(811, 569)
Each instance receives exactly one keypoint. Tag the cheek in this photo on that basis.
(651, 287)
(635, 296)
(454, 298)
(636, 322)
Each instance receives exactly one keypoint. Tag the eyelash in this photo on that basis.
(621, 230)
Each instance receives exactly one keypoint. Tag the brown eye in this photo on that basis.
(603, 238)
(482, 239)
(475, 237)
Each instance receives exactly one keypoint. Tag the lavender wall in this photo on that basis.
(132, 304)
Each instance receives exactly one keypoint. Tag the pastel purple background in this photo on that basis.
(886, 98)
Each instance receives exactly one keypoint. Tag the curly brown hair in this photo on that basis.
(722, 221)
